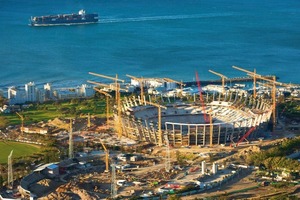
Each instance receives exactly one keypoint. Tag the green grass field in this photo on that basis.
(20, 149)
(48, 111)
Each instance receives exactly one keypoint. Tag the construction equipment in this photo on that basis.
(273, 82)
(245, 136)
(206, 119)
(22, 122)
(222, 77)
(201, 98)
(141, 82)
(107, 103)
(106, 157)
(159, 119)
(118, 124)
(88, 116)
(173, 81)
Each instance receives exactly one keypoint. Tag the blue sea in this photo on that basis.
(149, 38)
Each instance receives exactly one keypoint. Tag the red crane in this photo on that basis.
(206, 119)
(245, 136)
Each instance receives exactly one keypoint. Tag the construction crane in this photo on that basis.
(107, 103)
(141, 82)
(113, 87)
(222, 77)
(173, 81)
(106, 157)
(88, 116)
(118, 99)
(22, 122)
(201, 98)
(206, 119)
(273, 82)
(244, 136)
(159, 119)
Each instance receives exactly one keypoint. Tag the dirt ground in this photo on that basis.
(245, 181)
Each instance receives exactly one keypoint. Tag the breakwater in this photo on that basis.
(230, 80)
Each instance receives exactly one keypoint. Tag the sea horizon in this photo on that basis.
(172, 39)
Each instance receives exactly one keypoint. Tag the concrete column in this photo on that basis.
(203, 165)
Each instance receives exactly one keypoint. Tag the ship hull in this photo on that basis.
(64, 19)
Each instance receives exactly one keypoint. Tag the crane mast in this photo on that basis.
(141, 82)
(273, 82)
(159, 119)
(107, 96)
(22, 121)
(118, 124)
(222, 77)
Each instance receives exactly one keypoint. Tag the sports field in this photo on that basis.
(20, 149)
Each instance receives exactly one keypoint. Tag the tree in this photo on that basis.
(1, 181)
(3, 122)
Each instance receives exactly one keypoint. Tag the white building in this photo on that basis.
(16, 96)
(31, 92)
(48, 92)
(85, 91)
(215, 168)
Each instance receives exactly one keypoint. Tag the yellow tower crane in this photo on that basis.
(106, 157)
(273, 82)
(22, 121)
(222, 77)
(141, 82)
(88, 116)
(159, 119)
(107, 103)
(173, 81)
(118, 98)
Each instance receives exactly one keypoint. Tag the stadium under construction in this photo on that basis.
(219, 120)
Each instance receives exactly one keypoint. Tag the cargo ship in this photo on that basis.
(64, 19)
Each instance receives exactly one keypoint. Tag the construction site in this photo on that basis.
(155, 133)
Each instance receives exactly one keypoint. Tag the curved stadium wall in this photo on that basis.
(233, 114)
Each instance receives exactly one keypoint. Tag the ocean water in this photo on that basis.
(149, 38)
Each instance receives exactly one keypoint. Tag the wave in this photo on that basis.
(161, 18)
